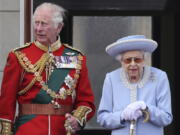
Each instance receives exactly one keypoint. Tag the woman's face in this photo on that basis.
(133, 63)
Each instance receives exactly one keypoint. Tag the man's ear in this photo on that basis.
(59, 28)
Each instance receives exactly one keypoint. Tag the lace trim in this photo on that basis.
(148, 75)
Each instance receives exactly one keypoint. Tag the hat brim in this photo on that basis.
(146, 45)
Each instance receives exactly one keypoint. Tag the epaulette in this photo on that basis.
(24, 46)
(70, 47)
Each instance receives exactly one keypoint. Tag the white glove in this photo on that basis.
(137, 105)
(129, 114)
(136, 115)
(133, 110)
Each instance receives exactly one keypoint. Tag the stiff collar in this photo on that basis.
(147, 75)
(55, 46)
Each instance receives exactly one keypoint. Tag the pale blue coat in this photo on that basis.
(155, 92)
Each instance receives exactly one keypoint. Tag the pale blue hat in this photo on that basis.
(133, 42)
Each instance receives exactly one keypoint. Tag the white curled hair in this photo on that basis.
(58, 12)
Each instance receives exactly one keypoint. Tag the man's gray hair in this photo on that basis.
(58, 12)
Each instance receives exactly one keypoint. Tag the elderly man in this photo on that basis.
(48, 79)
(136, 98)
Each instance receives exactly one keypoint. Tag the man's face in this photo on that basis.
(44, 29)
(133, 63)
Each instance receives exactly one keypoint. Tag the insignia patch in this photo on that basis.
(70, 53)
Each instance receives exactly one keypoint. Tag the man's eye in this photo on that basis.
(36, 22)
(44, 24)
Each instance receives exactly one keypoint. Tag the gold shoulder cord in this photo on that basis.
(37, 67)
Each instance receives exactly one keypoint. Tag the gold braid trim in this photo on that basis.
(5, 127)
(81, 113)
(53, 94)
(37, 67)
(68, 46)
(23, 91)
(24, 46)
(55, 46)
(26, 63)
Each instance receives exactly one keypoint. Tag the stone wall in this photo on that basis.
(9, 29)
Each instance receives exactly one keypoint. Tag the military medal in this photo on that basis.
(66, 62)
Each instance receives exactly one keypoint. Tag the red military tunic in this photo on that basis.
(17, 77)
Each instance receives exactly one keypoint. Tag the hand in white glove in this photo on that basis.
(137, 105)
(136, 115)
(129, 114)
(133, 111)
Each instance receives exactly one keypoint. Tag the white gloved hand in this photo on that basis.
(137, 105)
(129, 114)
(136, 115)
(133, 111)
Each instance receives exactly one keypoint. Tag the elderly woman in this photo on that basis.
(136, 98)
